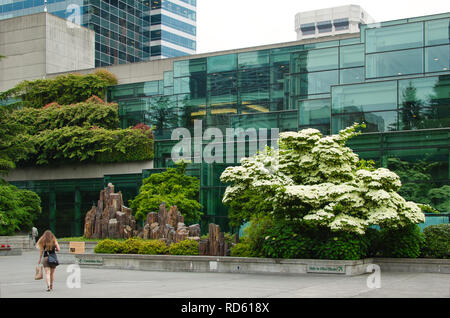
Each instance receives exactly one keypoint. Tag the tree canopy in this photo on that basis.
(317, 180)
(174, 188)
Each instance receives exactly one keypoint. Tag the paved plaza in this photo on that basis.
(17, 281)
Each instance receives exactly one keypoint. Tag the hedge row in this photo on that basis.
(152, 247)
(407, 242)
(81, 144)
(63, 89)
(93, 112)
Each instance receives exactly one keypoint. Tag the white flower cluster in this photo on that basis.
(316, 178)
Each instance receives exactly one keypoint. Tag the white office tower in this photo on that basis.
(330, 21)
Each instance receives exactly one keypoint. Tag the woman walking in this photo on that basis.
(48, 245)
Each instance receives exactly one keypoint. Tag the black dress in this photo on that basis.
(45, 260)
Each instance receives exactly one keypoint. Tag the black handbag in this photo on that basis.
(52, 259)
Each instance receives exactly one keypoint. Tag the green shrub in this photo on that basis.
(285, 240)
(242, 249)
(186, 247)
(77, 144)
(132, 245)
(18, 209)
(108, 247)
(343, 246)
(86, 114)
(63, 89)
(404, 242)
(174, 188)
(437, 241)
(153, 247)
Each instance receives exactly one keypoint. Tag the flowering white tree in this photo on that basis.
(318, 180)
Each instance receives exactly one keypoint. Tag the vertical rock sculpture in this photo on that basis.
(168, 225)
(110, 218)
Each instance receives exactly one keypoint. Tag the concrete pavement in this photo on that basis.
(17, 281)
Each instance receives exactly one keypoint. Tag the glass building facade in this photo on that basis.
(126, 31)
(393, 76)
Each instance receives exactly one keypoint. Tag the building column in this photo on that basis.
(78, 221)
(52, 216)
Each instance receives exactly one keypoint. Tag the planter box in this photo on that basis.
(215, 264)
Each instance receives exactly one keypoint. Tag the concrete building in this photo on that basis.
(38, 44)
(125, 31)
(330, 21)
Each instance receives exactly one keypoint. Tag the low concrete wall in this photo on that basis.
(214, 264)
(416, 265)
(11, 252)
(18, 241)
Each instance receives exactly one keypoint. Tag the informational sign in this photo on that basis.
(326, 269)
(76, 247)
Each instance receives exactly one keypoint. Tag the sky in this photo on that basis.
(232, 24)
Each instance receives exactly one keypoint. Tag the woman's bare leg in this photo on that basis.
(52, 276)
(47, 276)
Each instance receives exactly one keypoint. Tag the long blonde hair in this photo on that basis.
(47, 241)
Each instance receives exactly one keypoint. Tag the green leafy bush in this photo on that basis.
(404, 242)
(172, 187)
(96, 145)
(285, 240)
(108, 247)
(153, 247)
(18, 209)
(186, 247)
(242, 249)
(343, 246)
(90, 113)
(63, 89)
(132, 245)
(437, 241)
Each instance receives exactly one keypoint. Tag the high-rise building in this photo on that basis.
(330, 21)
(172, 28)
(126, 31)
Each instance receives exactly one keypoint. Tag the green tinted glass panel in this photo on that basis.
(350, 41)
(148, 89)
(351, 56)
(314, 83)
(254, 93)
(222, 63)
(424, 103)
(121, 91)
(181, 85)
(314, 112)
(254, 77)
(364, 97)
(375, 122)
(437, 58)
(351, 75)
(253, 59)
(168, 79)
(437, 32)
(396, 37)
(188, 67)
(394, 63)
(315, 60)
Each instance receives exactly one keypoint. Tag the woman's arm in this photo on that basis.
(40, 256)
(57, 246)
